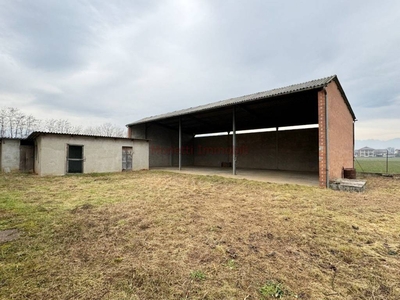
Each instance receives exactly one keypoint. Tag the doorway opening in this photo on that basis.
(75, 159)
(127, 158)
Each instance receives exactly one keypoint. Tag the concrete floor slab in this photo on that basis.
(275, 176)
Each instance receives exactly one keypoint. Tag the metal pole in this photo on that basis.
(277, 148)
(234, 142)
(180, 144)
(228, 144)
(387, 161)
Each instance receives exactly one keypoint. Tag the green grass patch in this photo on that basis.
(377, 165)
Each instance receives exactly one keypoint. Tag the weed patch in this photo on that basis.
(198, 275)
(273, 289)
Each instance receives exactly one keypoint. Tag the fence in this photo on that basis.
(384, 165)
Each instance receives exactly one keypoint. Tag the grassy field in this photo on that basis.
(377, 164)
(155, 235)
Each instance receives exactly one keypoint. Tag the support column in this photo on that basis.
(234, 142)
(322, 128)
(277, 147)
(180, 144)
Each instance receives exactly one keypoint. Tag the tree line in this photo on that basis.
(16, 124)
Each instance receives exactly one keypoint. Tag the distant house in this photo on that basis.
(370, 152)
(47, 153)
(365, 152)
(391, 150)
(381, 152)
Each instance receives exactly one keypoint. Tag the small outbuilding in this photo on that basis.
(9, 154)
(16, 155)
(306, 127)
(62, 153)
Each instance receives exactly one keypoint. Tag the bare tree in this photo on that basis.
(106, 129)
(91, 130)
(10, 120)
(49, 125)
(3, 126)
(64, 126)
(60, 126)
(31, 124)
(76, 130)
(19, 123)
(16, 124)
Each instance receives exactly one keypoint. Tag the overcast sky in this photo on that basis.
(119, 61)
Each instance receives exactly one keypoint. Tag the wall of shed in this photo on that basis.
(295, 150)
(101, 154)
(340, 133)
(9, 155)
(164, 145)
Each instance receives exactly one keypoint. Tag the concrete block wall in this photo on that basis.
(9, 154)
(282, 150)
(298, 150)
(295, 150)
(164, 145)
(211, 151)
(100, 154)
(260, 150)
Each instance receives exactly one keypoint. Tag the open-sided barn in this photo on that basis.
(325, 149)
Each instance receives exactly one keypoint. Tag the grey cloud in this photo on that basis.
(55, 35)
(50, 34)
(129, 59)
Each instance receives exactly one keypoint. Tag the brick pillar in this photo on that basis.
(322, 138)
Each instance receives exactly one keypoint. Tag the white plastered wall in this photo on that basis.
(9, 154)
(100, 154)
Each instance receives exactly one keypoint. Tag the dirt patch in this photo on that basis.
(8, 235)
(82, 208)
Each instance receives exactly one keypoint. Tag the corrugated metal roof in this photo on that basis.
(35, 134)
(310, 85)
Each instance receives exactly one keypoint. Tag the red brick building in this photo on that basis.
(306, 127)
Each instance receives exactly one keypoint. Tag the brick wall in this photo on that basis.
(340, 134)
(322, 138)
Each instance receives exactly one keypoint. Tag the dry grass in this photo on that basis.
(154, 235)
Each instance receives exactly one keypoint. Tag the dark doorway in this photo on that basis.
(127, 158)
(75, 159)
(26, 158)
